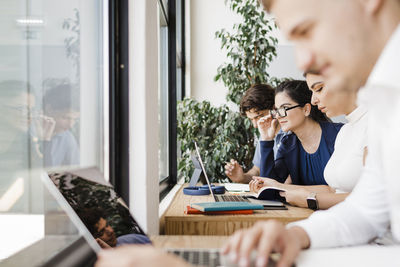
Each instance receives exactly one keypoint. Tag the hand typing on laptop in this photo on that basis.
(266, 237)
(263, 239)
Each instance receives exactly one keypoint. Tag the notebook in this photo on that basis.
(268, 204)
(190, 210)
(226, 206)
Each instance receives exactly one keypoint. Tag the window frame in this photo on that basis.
(170, 181)
(119, 97)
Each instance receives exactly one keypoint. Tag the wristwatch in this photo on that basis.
(312, 202)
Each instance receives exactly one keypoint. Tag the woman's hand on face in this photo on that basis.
(268, 128)
(296, 197)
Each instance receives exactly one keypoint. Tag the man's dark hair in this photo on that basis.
(257, 97)
(61, 97)
(298, 91)
(90, 217)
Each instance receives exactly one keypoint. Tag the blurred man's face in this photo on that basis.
(332, 37)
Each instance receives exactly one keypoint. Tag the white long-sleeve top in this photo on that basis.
(345, 166)
(374, 203)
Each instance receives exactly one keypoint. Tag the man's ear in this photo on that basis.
(372, 6)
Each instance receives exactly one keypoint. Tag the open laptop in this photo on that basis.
(76, 192)
(268, 204)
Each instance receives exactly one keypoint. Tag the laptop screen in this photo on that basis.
(100, 209)
(204, 170)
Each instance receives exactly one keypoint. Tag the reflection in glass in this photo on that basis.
(163, 100)
(103, 212)
(51, 95)
(61, 110)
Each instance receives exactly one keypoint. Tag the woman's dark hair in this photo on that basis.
(298, 91)
(257, 97)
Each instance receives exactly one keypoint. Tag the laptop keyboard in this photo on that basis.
(212, 258)
(199, 257)
(231, 198)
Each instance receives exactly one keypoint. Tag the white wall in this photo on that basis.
(204, 54)
(143, 62)
(284, 65)
(206, 17)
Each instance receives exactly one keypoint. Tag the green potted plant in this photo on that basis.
(222, 133)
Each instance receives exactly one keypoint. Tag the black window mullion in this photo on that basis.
(119, 97)
(172, 91)
(183, 52)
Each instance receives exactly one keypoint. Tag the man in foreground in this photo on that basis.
(358, 48)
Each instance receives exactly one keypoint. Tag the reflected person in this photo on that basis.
(60, 104)
(97, 224)
(20, 148)
(19, 144)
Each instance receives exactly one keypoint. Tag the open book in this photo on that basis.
(268, 193)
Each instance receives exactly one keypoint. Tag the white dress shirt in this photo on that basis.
(374, 203)
(345, 166)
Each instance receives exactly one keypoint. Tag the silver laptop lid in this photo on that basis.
(64, 205)
(85, 194)
(204, 170)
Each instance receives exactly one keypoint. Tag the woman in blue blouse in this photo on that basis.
(302, 155)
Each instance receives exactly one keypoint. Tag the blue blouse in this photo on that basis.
(312, 165)
(291, 158)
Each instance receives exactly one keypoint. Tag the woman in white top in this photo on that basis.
(345, 165)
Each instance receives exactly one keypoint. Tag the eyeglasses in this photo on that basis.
(282, 112)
